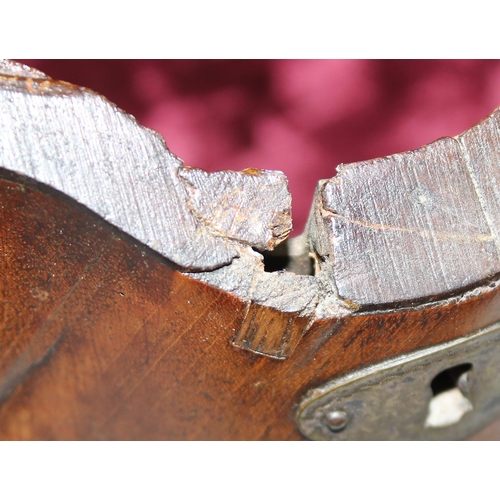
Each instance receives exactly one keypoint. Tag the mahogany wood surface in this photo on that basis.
(103, 340)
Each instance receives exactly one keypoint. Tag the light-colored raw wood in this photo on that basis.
(132, 312)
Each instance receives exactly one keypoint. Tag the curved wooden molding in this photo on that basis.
(412, 228)
(133, 297)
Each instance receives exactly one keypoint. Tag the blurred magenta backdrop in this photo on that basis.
(303, 117)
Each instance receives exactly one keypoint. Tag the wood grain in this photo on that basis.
(133, 302)
(77, 142)
(414, 226)
(137, 350)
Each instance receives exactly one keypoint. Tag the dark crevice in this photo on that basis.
(280, 259)
(450, 378)
(274, 262)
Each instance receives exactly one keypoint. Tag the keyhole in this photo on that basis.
(449, 403)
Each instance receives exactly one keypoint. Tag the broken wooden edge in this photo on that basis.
(415, 226)
(411, 229)
(77, 142)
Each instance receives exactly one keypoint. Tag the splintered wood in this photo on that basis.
(102, 340)
(407, 229)
(415, 225)
(77, 142)
(252, 207)
(133, 299)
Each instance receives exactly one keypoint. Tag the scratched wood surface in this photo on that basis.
(76, 141)
(413, 226)
(212, 224)
(102, 339)
(133, 302)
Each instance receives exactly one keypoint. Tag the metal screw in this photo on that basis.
(336, 420)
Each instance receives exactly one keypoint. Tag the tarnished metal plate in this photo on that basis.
(394, 400)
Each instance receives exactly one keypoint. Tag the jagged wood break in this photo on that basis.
(413, 226)
(129, 278)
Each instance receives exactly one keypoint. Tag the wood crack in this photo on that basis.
(252, 208)
(439, 236)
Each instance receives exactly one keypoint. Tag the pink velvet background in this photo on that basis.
(303, 117)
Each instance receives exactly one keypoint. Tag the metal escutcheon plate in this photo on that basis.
(394, 400)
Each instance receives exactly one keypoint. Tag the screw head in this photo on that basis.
(336, 420)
